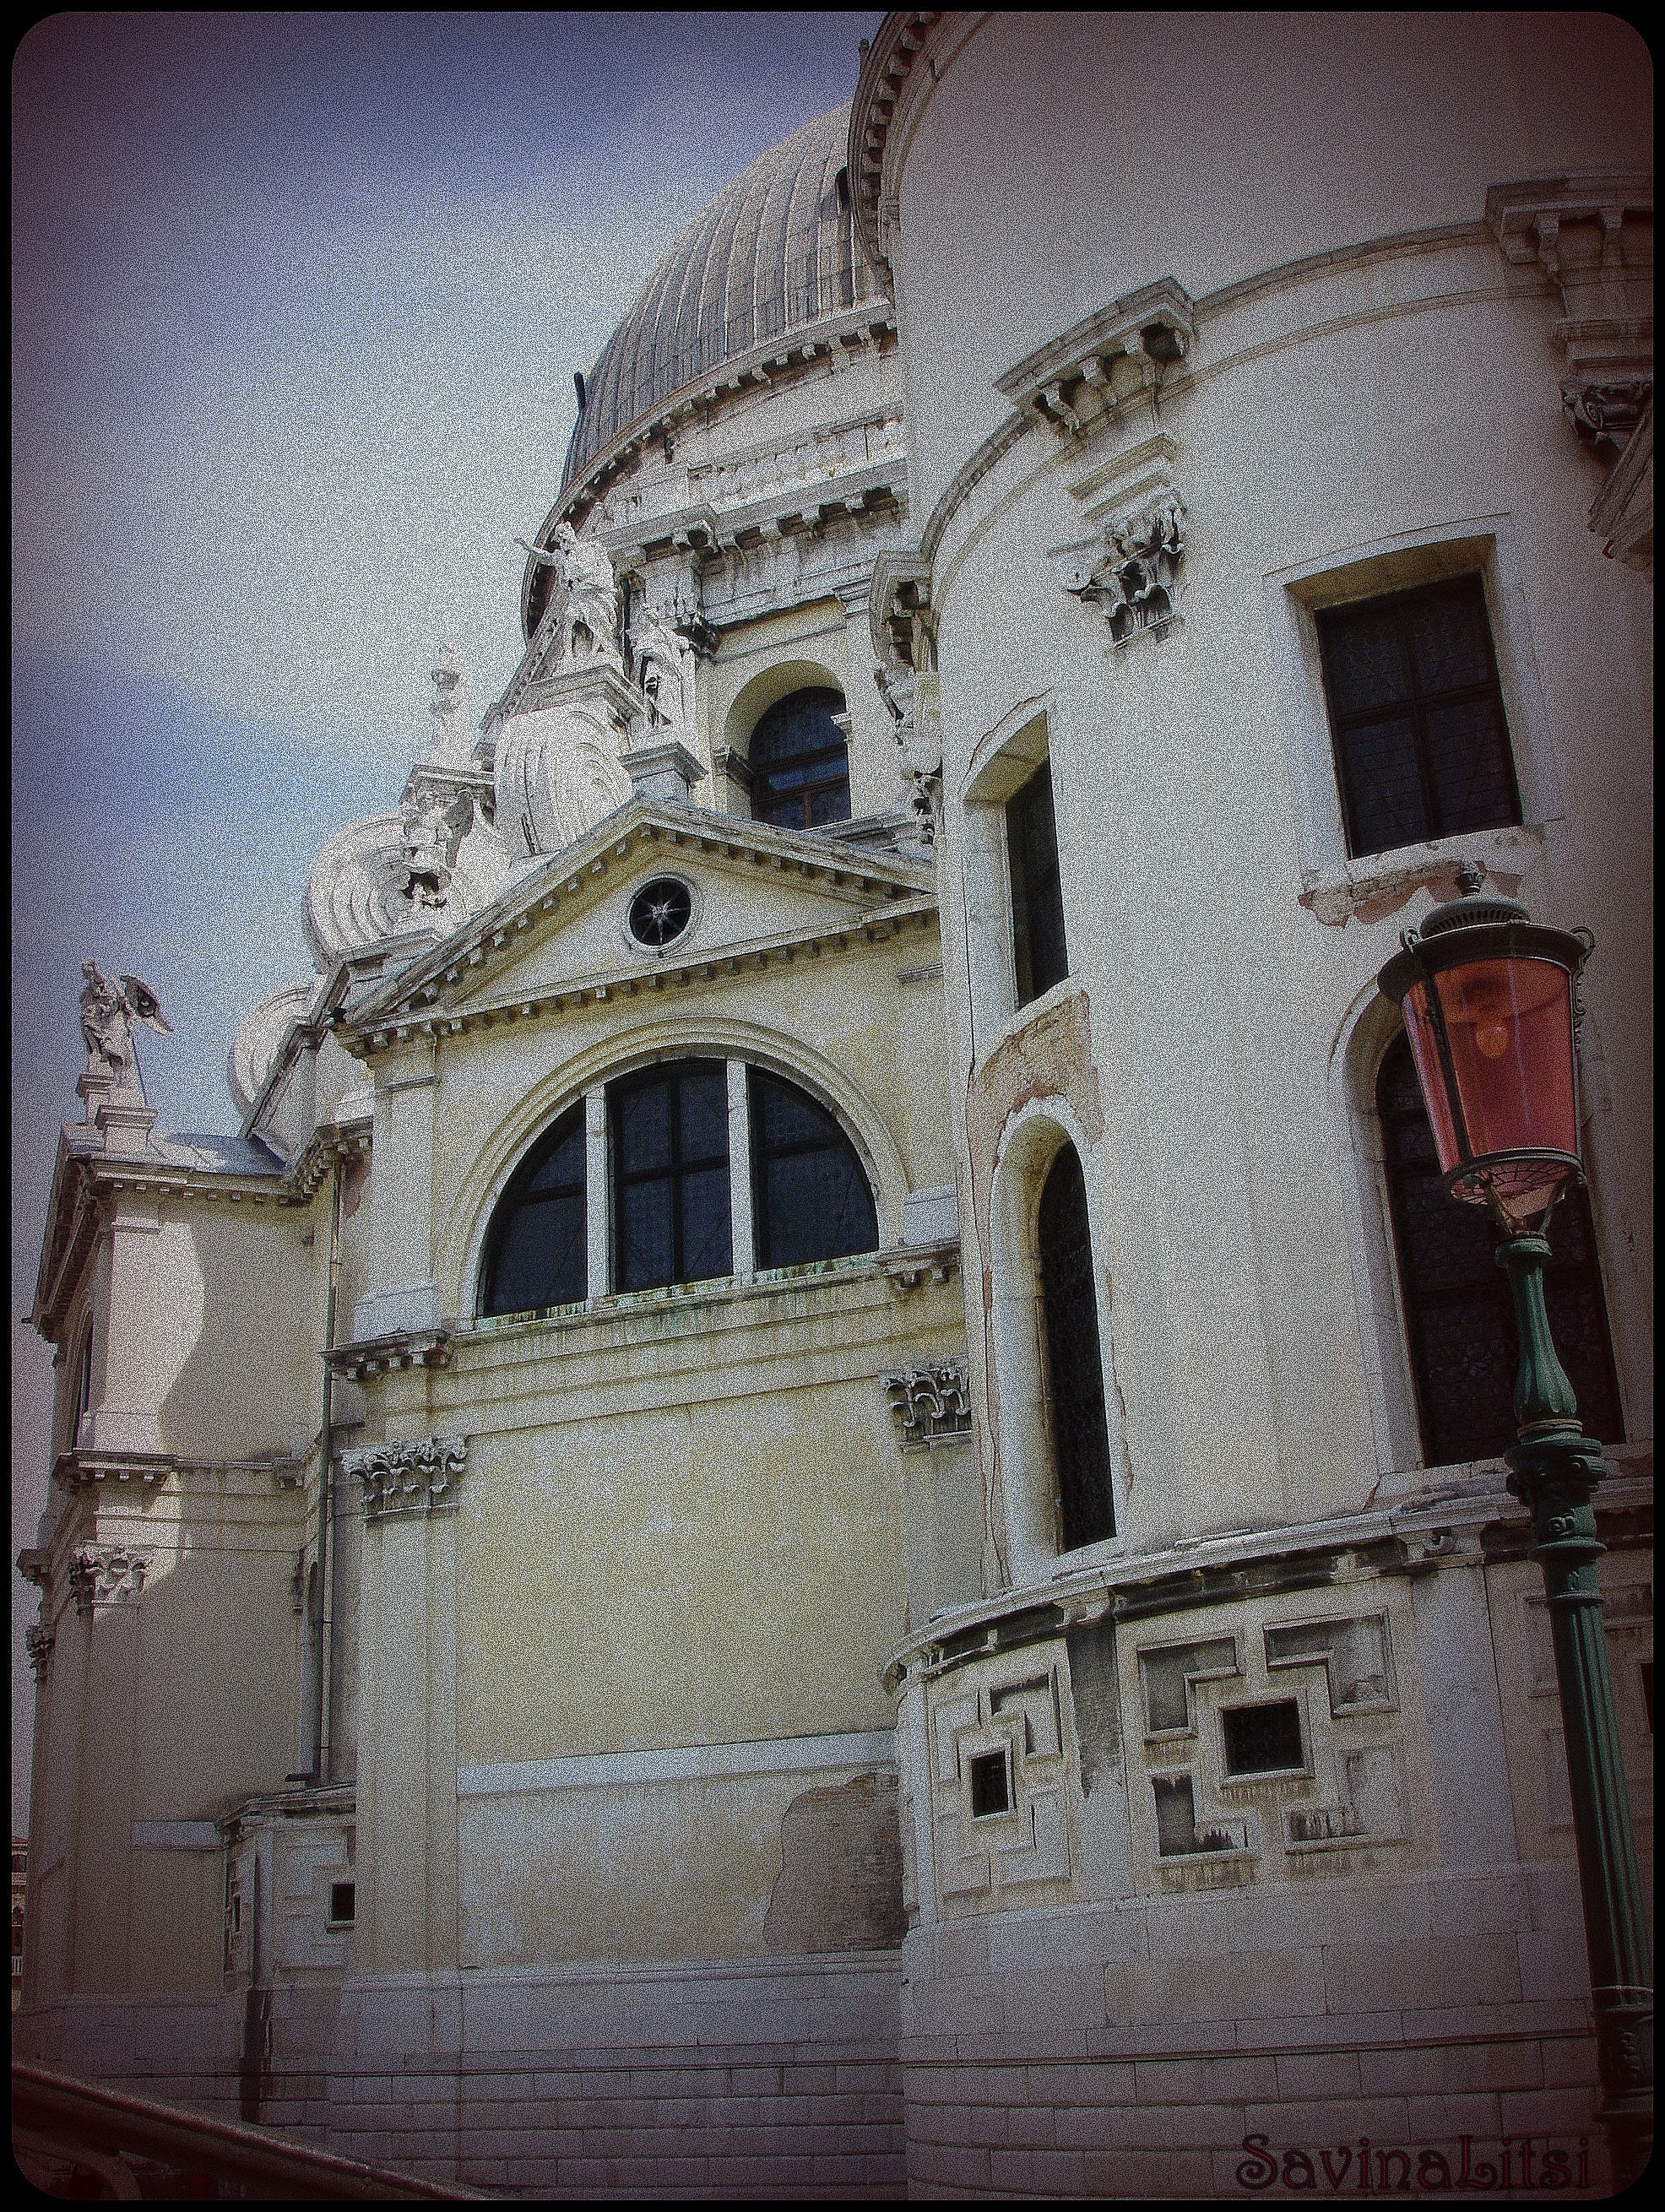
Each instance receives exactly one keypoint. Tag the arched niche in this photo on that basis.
(1025, 1444)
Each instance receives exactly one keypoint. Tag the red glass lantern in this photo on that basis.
(1488, 998)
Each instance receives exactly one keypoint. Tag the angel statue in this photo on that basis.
(109, 1015)
(663, 665)
(591, 592)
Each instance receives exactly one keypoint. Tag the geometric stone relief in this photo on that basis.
(1354, 1653)
(931, 1404)
(1283, 1777)
(105, 1574)
(998, 1785)
(415, 1477)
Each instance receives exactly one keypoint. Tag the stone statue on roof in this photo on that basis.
(109, 1015)
(591, 608)
(662, 663)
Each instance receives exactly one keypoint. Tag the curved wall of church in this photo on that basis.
(1352, 389)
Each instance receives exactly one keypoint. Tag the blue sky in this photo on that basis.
(299, 297)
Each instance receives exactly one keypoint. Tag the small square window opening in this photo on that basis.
(1263, 1739)
(990, 1784)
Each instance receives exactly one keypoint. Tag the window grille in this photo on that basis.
(1417, 715)
(799, 762)
(1459, 1311)
(1037, 896)
(671, 1216)
(1080, 1437)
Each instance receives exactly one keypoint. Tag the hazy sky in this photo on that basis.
(299, 297)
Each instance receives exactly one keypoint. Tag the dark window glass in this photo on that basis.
(809, 1191)
(1459, 1312)
(1261, 1739)
(800, 764)
(1080, 1438)
(343, 1900)
(670, 1175)
(1421, 745)
(1037, 897)
(536, 1254)
(991, 1790)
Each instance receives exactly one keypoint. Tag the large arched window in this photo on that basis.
(1075, 1369)
(800, 765)
(1459, 1312)
(688, 1152)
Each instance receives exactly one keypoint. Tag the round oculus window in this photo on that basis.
(659, 912)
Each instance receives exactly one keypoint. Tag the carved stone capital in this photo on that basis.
(39, 1642)
(414, 1477)
(107, 1575)
(931, 1404)
(1132, 571)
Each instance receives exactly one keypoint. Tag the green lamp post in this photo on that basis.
(1487, 996)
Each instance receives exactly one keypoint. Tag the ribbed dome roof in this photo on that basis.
(775, 249)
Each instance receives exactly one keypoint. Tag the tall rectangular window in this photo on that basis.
(1037, 897)
(1417, 716)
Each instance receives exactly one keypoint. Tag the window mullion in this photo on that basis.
(597, 1212)
(742, 1232)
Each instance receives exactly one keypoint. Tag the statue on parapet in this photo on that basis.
(662, 664)
(591, 608)
(109, 1015)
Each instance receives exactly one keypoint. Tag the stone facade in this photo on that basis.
(657, 1740)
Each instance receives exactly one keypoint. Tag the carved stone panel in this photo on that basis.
(106, 1575)
(413, 1477)
(999, 1779)
(931, 1404)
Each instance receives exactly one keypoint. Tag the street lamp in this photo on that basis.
(1487, 997)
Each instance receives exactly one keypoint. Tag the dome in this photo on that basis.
(775, 251)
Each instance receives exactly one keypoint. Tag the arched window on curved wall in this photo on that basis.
(1075, 1366)
(799, 762)
(1459, 1312)
(680, 1184)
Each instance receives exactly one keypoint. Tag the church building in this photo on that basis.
(815, 1506)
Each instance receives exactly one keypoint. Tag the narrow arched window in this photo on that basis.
(1075, 1368)
(537, 1254)
(810, 1199)
(671, 1194)
(800, 764)
(1459, 1312)
(1037, 891)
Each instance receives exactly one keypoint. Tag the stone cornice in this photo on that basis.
(785, 358)
(877, 491)
(891, 85)
(1461, 1527)
(375, 1356)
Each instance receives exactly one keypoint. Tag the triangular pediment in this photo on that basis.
(564, 922)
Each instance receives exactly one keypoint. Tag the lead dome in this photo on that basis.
(775, 251)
